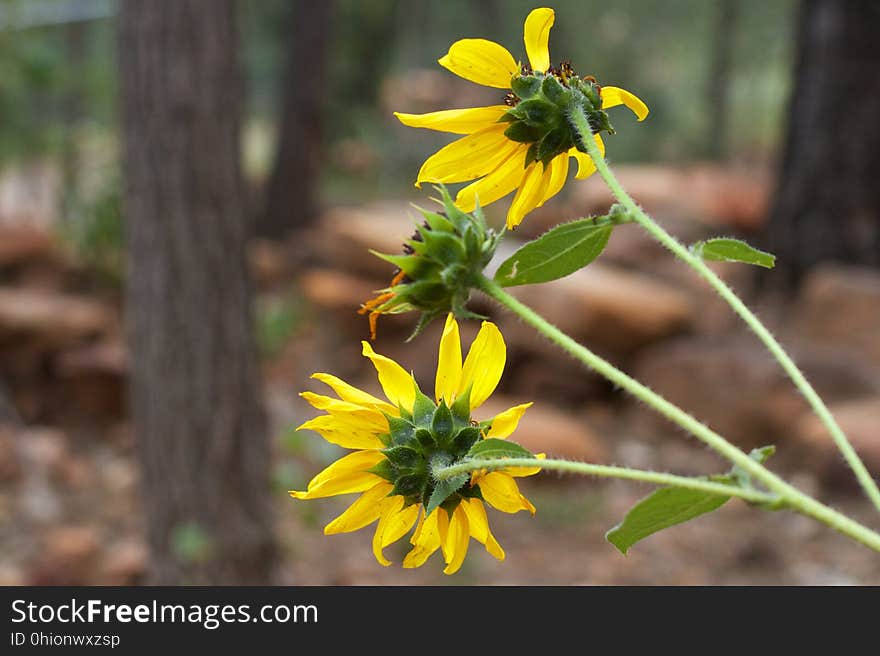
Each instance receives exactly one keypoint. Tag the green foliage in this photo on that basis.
(94, 231)
(191, 543)
(557, 253)
(277, 319)
(669, 506)
(725, 249)
(661, 509)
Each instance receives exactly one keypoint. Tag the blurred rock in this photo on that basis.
(333, 290)
(715, 195)
(23, 244)
(344, 237)
(10, 466)
(544, 429)
(606, 307)
(427, 90)
(269, 262)
(736, 387)
(124, 563)
(51, 320)
(68, 556)
(841, 305)
(860, 422)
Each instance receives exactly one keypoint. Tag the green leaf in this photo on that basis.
(556, 253)
(724, 249)
(668, 506)
(492, 448)
(661, 509)
(445, 489)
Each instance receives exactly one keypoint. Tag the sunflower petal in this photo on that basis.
(425, 540)
(448, 362)
(390, 507)
(586, 167)
(472, 156)
(479, 526)
(352, 394)
(398, 385)
(494, 186)
(614, 96)
(501, 492)
(457, 538)
(530, 194)
(346, 475)
(481, 61)
(484, 364)
(347, 434)
(536, 34)
(505, 423)
(558, 176)
(362, 512)
(457, 121)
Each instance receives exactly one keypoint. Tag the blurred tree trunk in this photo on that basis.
(291, 196)
(827, 204)
(718, 90)
(200, 427)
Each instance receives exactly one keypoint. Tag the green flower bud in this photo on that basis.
(539, 107)
(438, 266)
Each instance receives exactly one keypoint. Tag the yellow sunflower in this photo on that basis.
(524, 144)
(396, 443)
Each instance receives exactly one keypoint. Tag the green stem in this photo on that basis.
(791, 495)
(605, 471)
(865, 479)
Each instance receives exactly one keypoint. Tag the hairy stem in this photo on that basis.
(580, 123)
(791, 495)
(605, 471)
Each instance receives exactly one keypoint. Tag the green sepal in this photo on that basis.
(443, 490)
(554, 91)
(525, 86)
(523, 133)
(442, 424)
(403, 457)
(423, 410)
(461, 408)
(409, 485)
(425, 438)
(437, 222)
(538, 113)
(412, 265)
(552, 144)
(465, 439)
(383, 469)
(531, 155)
(444, 247)
(401, 431)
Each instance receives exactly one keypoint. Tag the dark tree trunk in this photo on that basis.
(827, 204)
(200, 427)
(292, 195)
(718, 89)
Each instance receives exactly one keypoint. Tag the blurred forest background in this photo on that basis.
(188, 191)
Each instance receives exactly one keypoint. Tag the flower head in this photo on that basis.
(524, 144)
(396, 445)
(439, 263)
